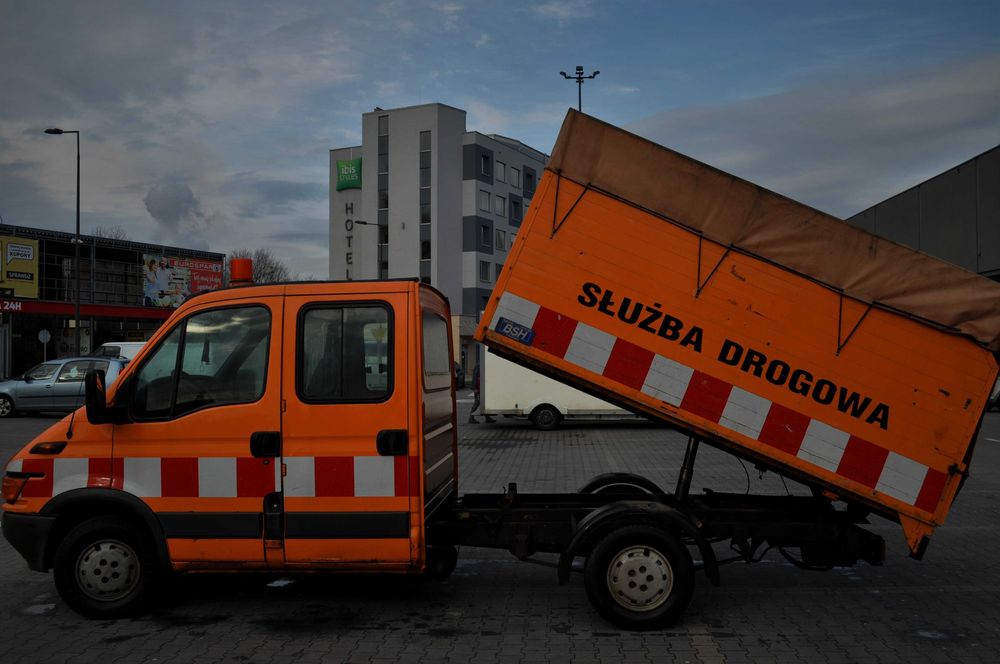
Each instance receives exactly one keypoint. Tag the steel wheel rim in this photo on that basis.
(5, 407)
(546, 418)
(107, 570)
(640, 578)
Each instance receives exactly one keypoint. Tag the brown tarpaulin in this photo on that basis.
(737, 213)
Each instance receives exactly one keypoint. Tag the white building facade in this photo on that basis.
(422, 197)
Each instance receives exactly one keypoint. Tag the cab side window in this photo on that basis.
(437, 355)
(212, 358)
(344, 354)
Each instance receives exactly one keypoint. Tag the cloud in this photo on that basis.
(452, 12)
(171, 203)
(483, 40)
(843, 145)
(263, 197)
(615, 89)
(564, 10)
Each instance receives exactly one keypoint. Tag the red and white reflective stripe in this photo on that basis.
(224, 477)
(723, 403)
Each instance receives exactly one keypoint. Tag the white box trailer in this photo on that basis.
(511, 390)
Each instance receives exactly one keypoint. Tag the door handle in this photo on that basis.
(265, 444)
(392, 442)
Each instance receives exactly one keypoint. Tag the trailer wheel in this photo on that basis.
(104, 568)
(639, 577)
(546, 417)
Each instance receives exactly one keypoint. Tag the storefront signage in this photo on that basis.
(167, 282)
(19, 269)
(348, 174)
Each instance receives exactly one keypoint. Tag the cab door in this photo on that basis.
(207, 389)
(345, 433)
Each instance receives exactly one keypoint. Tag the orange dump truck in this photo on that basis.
(312, 426)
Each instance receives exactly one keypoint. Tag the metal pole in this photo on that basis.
(579, 94)
(76, 245)
(687, 470)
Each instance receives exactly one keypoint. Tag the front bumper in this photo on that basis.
(29, 534)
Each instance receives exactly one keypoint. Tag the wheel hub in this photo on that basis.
(5, 408)
(107, 570)
(640, 578)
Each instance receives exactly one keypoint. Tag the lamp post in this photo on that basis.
(579, 78)
(76, 241)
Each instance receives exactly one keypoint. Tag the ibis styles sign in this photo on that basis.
(348, 174)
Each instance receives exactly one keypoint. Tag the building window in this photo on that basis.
(515, 211)
(425, 250)
(484, 236)
(484, 164)
(484, 200)
(484, 271)
(382, 195)
(425, 271)
(498, 267)
(501, 173)
(425, 177)
(515, 178)
(501, 206)
(529, 183)
(501, 240)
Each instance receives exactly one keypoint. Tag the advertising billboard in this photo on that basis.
(19, 271)
(167, 282)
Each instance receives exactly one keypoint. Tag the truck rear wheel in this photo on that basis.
(546, 417)
(104, 568)
(639, 577)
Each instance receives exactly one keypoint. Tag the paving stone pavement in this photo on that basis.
(494, 608)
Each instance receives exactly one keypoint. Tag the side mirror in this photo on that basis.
(26, 378)
(96, 397)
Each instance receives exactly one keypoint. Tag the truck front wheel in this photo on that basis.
(546, 417)
(639, 577)
(104, 568)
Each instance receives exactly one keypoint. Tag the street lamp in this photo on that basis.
(579, 78)
(76, 241)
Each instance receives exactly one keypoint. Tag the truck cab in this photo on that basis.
(279, 427)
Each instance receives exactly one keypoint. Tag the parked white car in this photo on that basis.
(126, 349)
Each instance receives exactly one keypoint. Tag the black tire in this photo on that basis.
(105, 568)
(546, 417)
(441, 562)
(639, 577)
(7, 406)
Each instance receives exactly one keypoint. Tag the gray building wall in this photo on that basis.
(955, 215)
(488, 234)
(459, 246)
(403, 228)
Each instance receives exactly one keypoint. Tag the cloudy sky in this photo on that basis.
(207, 124)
